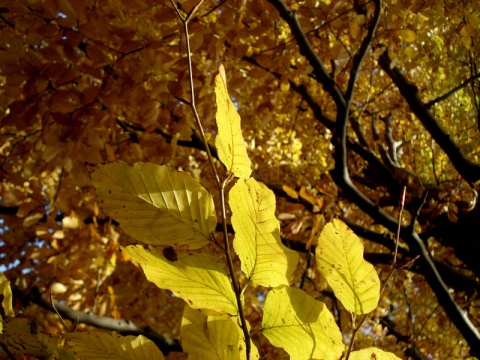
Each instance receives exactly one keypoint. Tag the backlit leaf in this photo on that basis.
(213, 337)
(339, 256)
(301, 325)
(156, 204)
(372, 353)
(265, 260)
(99, 345)
(407, 35)
(290, 192)
(6, 295)
(229, 142)
(198, 279)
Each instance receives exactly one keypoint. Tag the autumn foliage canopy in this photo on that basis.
(180, 177)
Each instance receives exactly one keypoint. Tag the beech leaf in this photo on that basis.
(372, 353)
(301, 325)
(99, 345)
(6, 294)
(157, 205)
(199, 279)
(339, 256)
(265, 260)
(213, 337)
(24, 338)
(229, 141)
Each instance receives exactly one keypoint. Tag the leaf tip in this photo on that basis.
(223, 75)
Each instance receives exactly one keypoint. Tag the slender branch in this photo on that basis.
(52, 304)
(466, 168)
(192, 88)
(221, 186)
(360, 55)
(452, 91)
(397, 237)
(306, 49)
(356, 328)
(343, 112)
(236, 286)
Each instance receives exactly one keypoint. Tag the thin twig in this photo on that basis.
(452, 91)
(192, 90)
(236, 286)
(220, 185)
(394, 268)
(52, 304)
(397, 236)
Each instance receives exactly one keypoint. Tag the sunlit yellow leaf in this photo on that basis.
(99, 345)
(301, 325)
(290, 192)
(213, 337)
(407, 35)
(372, 353)
(156, 204)
(265, 260)
(229, 142)
(6, 294)
(307, 195)
(339, 256)
(318, 224)
(198, 279)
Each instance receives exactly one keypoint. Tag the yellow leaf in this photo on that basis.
(290, 192)
(301, 325)
(156, 204)
(307, 195)
(229, 142)
(339, 256)
(317, 225)
(100, 345)
(265, 260)
(22, 337)
(407, 35)
(6, 293)
(213, 337)
(372, 353)
(198, 279)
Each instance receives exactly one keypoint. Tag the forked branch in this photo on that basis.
(471, 172)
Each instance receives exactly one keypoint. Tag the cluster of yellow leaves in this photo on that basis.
(90, 83)
(163, 207)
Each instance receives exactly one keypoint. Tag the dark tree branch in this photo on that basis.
(368, 155)
(412, 351)
(452, 91)
(342, 177)
(125, 327)
(306, 49)
(455, 279)
(360, 55)
(467, 169)
(8, 210)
